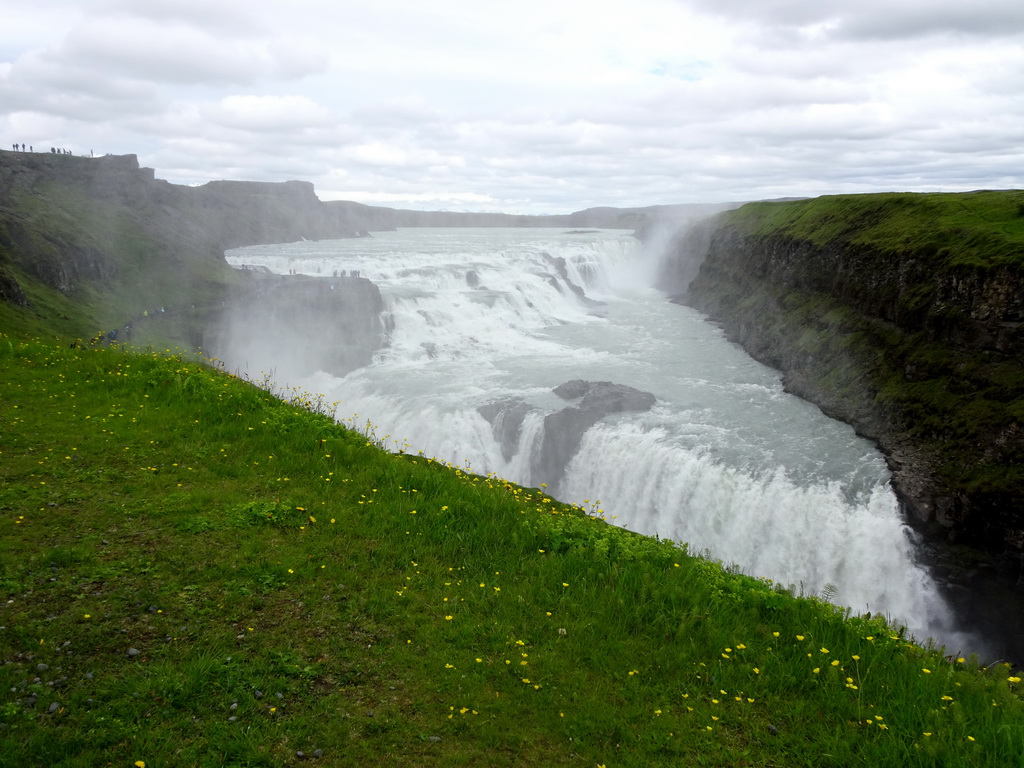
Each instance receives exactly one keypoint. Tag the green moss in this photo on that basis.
(118, 261)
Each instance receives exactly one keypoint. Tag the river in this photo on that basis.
(486, 321)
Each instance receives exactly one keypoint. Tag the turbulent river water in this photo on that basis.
(725, 461)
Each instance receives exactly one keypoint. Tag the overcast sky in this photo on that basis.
(533, 106)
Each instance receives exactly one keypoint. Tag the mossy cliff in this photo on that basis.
(900, 314)
(88, 243)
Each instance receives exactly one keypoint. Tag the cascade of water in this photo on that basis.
(488, 322)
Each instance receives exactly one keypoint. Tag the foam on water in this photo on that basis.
(726, 461)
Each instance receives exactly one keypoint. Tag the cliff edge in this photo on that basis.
(88, 243)
(901, 314)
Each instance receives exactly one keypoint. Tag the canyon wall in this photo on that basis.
(899, 314)
(99, 248)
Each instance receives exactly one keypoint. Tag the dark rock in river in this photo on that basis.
(605, 396)
(288, 326)
(506, 420)
(564, 430)
(558, 262)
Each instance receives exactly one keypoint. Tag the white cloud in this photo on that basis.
(178, 53)
(269, 113)
(530, 105)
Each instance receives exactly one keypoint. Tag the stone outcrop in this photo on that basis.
(292, 326)
(918, 348)
(10, 289)
(563, 278)
(564, 429)
(114, 242)
(506, 419)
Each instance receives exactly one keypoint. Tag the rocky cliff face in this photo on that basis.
(241, 213)
(918, 350)
(44, 189)
(113, 241)
(285, 326)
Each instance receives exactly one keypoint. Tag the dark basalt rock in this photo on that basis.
(506, 420)
(558, 262)
(564, 430)
(10, 289)
(605, 396)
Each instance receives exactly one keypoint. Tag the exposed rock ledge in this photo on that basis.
(563, 429)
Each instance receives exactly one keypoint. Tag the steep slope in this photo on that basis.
(89, 243)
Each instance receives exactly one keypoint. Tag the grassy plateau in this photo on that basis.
(982, 229)
(195, 571)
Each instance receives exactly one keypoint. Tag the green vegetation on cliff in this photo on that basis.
(194, 572)
(89, 244)
(89, 264)
(984, 229)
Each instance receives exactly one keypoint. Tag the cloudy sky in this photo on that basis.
(534, 106)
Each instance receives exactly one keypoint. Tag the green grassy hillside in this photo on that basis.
(194, 572)
(95, 243)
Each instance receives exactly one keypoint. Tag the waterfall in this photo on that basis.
(486, 323)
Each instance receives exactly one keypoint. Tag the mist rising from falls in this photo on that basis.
(487, 322)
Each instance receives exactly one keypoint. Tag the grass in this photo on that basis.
(196, 572)
(91, 258)
(982, 229)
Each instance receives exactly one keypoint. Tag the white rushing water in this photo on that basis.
(725, 461)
